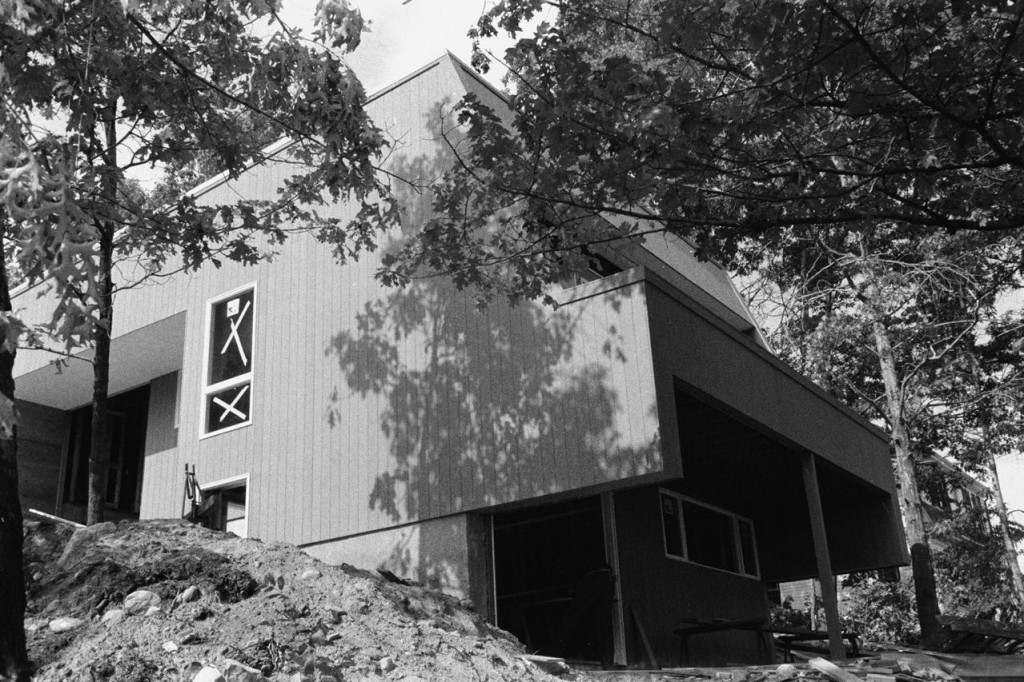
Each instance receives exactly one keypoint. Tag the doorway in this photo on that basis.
(128, 414)
(554, 587)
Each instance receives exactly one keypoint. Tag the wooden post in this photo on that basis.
(836, 647)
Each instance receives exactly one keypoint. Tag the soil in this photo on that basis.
(237, 610)
(263, 611)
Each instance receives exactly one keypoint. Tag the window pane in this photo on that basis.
(231, 337)
(227, 408)
(670, 524)
(747, 547)
(709, 537)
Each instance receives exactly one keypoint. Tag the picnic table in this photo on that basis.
(790, 639)
(696, 626)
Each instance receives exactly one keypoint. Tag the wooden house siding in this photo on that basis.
(161, 428)
(41, 433)
(441, 409)
(728, 367)
(375, 407)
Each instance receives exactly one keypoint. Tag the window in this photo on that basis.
(598, 267)
(708, 536)
(227, 383)
(225, 506)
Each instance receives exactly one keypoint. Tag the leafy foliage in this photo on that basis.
(726, 120)
(970, 569)
(164, 85)
(882, 611)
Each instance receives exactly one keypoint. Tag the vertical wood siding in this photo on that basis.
(40, 449)
(374, 407)
(732, 369)
(161, 433)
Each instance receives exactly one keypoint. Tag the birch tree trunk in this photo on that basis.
(909, 494)
(1012, 565)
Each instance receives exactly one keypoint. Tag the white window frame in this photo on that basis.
(239, 481)
(737, 541)
(248, 377)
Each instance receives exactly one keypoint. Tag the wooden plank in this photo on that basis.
(648, 650)
(828, 589)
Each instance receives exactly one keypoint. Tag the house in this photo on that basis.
(593, 477)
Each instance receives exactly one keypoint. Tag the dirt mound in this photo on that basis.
(164, 600)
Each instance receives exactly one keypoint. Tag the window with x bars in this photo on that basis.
(227, 388)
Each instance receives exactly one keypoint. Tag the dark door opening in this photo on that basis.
(224, 508)
(128, 413)
(553, 585)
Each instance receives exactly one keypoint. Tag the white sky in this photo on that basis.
(404, 35)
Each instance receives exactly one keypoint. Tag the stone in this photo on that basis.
(34, 625)
(169, 647)
(208, 674)
(191, 593)
(153, 610)
(140, 601)
(64, 624)
(85, 536)
(236, 671)
(387, 664)
(786, 671)
(113, 616)
(311, 574)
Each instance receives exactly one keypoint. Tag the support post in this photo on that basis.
(836, 647)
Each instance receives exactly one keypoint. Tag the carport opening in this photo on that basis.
(553, 583)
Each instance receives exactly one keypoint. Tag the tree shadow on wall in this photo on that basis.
(481, 407)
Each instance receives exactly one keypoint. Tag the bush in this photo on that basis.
(882, 611)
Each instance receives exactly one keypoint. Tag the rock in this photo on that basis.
(311, 574)
(786, 671)
(191, 593)
(169, 647)
(140, 601)
(387, 664)
(208, 674)
(236, 671)
(335, 613)
(190, 670)
(113, 616)
(413, 678)
(34, 625)
(65, 624)
(153, 610)
(105, 528)
(549, 664)
(85, 536)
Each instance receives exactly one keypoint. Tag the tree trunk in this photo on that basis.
(99, 445)
(1012, 565)
(13, 657)
(909, 495)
